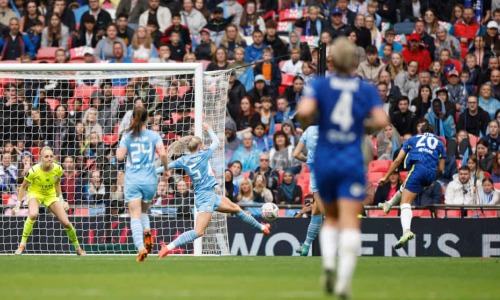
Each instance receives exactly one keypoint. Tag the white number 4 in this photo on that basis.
(342, 112)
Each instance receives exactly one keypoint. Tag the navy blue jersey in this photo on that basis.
(343, 103)
(426, 149)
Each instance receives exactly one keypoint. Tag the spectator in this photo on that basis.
(294, 64)
(389, 39)
(102, 17)
(487, 102)
(231, 190)
(407, 81)
(392, 93)
(291, 132)
(12, 111)
(376, 36)
(495, 169)
(14, 43)
(199, 5)
(247, 195)
(289, 192)
(388, 141)
(271, 176)
(67, 16)
(148, 94)
(444, 125)
(158, 14)
(308, 72)
(247, 116)
(232, 39)
(24, 163)
(474, 119)
(238, 64)
(96, 192)
(91, 123)
(183, 199)
(371, 68)
(12, 201)
(87, 36)
(456, 92)
(161, 197)
(274, 41)
(63, 130)
(269, 69)
(281, 154)
(396, 65)
(485, 75)
(118, 57)
(335, 26)
(421, 104)
(433, 194)
(71, 182)
(267, 115)
(105, 48)
(217, 25)
(38, 131)
(177, 50)
(106, 111)
(493, 137)
(127, 118)
(118, 189)
(236, 168)
(124, 31)
(457, 13)
(466, 29)
(461, 189)
(250, 20)
(484, 156)
(6, 13)
(294, 92)
(232, 8)
(192, 18)
(444, 40)
(260, 188)
(403, 119)
(487, 194)
(8, 175)
(386, 191)
(295, 42)
(30, 15)
(235, 94)
(491, 40)
(132, 8)
(232, 142)
(35, 36)
(163, 57)
(253, 52)
(263, 142)
(142, 47)
(312, 23)
(417, 53)
(185, 36)
(247, 153)
(205, 50)
(477, 174)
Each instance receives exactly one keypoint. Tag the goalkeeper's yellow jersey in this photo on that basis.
(43, 183)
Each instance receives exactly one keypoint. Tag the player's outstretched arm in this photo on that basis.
(162, 153)
(394, 165)
(215, 140)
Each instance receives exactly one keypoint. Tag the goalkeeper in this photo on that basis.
(45, 188)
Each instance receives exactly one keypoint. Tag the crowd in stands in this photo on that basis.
(432, 62)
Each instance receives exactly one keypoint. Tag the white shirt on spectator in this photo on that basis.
(291, 68)
(459, 193)
(163, 16)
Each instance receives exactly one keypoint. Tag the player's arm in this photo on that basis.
(162, 153)
(121, 152)
(306, 110)
(297, 152)
(399, 159)
(378, 119)
(440, 167)
(20, 196)
(215, 140)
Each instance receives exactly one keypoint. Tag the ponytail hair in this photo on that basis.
(139, 117)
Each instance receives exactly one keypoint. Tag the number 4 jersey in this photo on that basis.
(426, 149)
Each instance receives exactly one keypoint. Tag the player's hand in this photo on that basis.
(15, 209)
(383, 180)
(206, 127)
(65, 205)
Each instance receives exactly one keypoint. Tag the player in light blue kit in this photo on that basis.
(196, 165)
(343, 103)
(309, 140)
(139, 145)
(424, 154)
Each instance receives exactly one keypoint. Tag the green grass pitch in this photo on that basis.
(232, 277)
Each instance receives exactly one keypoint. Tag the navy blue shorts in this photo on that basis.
(333, 185)
(418, 178)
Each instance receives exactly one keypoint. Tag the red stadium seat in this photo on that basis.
(245, 174)
(305, 168)
(160, 92)
(280, 176)
(118, 91)
(459, 163)
(36, 152)
(403, 175)
(53, 103)
(287, 79)
(421, 213)
(140, 61)
(375, 213)
(84, 91)
(290, 15)
(4, 81)
(443, 139)
(374, 177)
(81, 212)
(182, 90)
(496, 185)
(482, 214)
(277, 127)
(379, 165)
(303, 180)
(450, 213)
(204, 63)
(110, 139)
(46, 53)
(5, 199)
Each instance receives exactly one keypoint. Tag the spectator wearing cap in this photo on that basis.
(417, 53)
(192, 18)
(487, 101)
(253, 52)
(132, 8)
(456, 92)
(272, 39)
(124, 31)
(86, 36)
(336, 27)
(102, 17)
(261, 88)
(444, 40)
(372, 67)
(491, 39)
(217, 25)
(474, 119)
(389, 39)
(157, 13)
(205, 50)
(443, 125)
(466, 29)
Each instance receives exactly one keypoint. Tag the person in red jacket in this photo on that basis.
(466, 29)
(415, 52)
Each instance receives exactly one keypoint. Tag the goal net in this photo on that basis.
(81, 110)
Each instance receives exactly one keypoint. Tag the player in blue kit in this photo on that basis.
(309, 140)
(139, 145)
(343, 103)
(196, 164)
(424, 155)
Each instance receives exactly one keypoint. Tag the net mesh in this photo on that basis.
(81, 115)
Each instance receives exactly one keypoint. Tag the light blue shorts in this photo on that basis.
(312, 180)
(207, 201)
(146, 192)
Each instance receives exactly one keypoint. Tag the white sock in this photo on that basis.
(328, 240)
(171, 246)
(395, 199)
(349, 245)
(406, 216)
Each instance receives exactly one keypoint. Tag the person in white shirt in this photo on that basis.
(162, 15)
(294, 64)
(461, 190)
(192, 18)
(8, 174)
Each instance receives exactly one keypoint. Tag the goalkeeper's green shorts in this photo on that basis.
(43, 199)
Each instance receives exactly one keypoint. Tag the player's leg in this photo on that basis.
(58, 210)
(314, 225)
(226, 206)
(396, 199)
(135, 210)
(33, 208)
(406, 217)
(328, 237)
(201, 223)
(146, 227)
(349, 243)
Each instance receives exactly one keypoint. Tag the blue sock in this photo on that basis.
(145, 221)
(248, 219)
(313, 229)
(137, 233)
(185, 238)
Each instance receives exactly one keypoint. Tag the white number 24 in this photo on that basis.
(342, 112)
(139, 149)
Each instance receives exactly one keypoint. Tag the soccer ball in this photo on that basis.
(270, 211)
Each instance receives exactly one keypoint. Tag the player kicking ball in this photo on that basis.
(424, 154)
(196, 165)
(45, 188)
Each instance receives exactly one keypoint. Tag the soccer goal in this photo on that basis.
(81, 110)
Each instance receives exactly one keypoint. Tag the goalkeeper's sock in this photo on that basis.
(71, 232)
(406, 216)
(349, 245)
(313, 229)
(183, 239)
(395, 199)
(248, 219)
(328, 237)
(28, 227)
(137, 233)
(145, 221)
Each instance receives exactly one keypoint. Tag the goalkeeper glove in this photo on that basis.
(16, 208)
(64, 204)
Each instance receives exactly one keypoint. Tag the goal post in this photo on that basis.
(81, 110)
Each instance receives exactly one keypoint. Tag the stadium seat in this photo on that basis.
(110, 139)
(47, 53)
(290, 15)
(303, 181)
(277, 127)
(374, 177)
(305, 169)
(246, 174)
(204, 63)
(280, 176)
(84, 91)
(4, 81)
(36, 152)
(403, 175)
(118, 91)
(53, 103)
(379, 165)
(450, 213)
(160, 92)
(487, 174)
(482, 214)
(81, 212)
(140, 61)
(281, 89)
(5, 199)
(421, 213)
(443, 139)
(459, 163)
(182, 90)
(377, 213)
(287, 79)
(496, 185)
(76, 53)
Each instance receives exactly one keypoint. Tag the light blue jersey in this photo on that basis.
(310, 139)
(139, 168)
